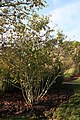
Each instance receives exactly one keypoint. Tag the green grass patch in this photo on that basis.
(69, 110)
(69, 72)
(76, 81)
(76, 88)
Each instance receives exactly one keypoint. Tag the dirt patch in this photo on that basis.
(13, 103)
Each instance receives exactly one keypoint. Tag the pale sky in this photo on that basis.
(66, 14)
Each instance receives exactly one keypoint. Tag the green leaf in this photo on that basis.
(25, 8)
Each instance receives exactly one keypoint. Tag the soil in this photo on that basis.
(13, 104)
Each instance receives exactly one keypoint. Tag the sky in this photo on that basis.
(66, 15)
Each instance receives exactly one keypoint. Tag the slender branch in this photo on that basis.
(24, 94)
(45, 91)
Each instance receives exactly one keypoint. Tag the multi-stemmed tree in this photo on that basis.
(29, 56)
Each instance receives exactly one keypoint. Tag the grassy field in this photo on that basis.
(69, 72)
(77, 81)
(70, 110)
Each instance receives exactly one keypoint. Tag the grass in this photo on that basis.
(77, 81)
(76, 88)
(69, 72)
(70, 110)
